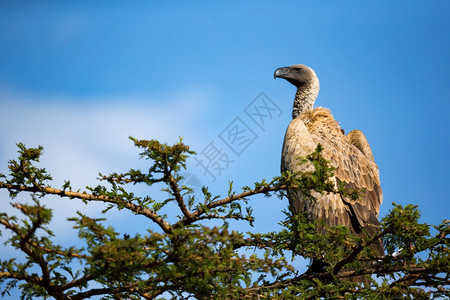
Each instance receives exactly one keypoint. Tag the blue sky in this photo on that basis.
(80, 78)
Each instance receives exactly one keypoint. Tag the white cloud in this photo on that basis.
(82, 137)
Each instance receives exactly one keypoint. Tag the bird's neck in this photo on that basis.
(305, 97)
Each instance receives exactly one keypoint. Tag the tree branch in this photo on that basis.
(77, 282)
(120, 179)
(177, 194)
(137, 209)
(412, 269)
(211, 217)
(352, 256)
(200, 211)
(21, 276)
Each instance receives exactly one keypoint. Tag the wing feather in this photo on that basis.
(354, 166)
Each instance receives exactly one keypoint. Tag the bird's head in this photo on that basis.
(298, 75)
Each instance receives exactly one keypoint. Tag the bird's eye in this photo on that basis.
(298, 69)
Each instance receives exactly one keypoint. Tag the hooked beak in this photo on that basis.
(280, 72)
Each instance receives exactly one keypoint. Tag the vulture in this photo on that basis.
(350, 155)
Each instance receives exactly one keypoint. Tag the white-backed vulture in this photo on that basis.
(349, 154)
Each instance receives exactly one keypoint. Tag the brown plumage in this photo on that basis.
(349, 154)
